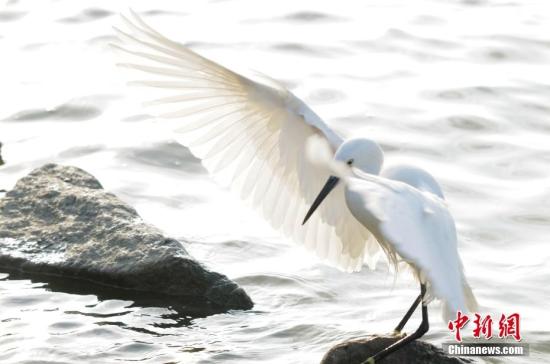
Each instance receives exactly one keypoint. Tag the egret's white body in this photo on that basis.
(251, 135)
(416, 227)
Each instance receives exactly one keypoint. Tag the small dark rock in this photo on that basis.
(417, 352)
(59, 221)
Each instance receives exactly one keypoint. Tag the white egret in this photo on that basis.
(405, 210)
(251, 135)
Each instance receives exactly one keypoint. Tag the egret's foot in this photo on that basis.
(369, 361)
(399, 334)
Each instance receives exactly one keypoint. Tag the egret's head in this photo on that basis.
(360, 153)
(363, 154)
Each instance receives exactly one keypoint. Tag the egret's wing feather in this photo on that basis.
(419, 227)
(251, 135)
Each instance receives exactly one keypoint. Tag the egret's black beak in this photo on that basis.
(329, 186)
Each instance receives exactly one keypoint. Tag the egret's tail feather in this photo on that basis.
(470, 303)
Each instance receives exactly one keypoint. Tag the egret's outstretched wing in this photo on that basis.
(251, 135)
(419, 227)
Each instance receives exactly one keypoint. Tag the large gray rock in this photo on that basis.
(59, 221)
(417, 352)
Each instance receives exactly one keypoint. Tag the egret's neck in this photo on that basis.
(415, 177)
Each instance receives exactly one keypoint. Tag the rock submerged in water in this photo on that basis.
(59, 221)
(417, 352)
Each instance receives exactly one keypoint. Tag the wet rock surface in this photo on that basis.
(59, 221)
(417, 352)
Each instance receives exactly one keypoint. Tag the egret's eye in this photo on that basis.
(349, 162)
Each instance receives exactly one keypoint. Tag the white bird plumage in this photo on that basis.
(252, 136)
(403, 206)
(418, 227)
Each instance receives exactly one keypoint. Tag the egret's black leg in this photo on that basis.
(407, 316)
(422, 329)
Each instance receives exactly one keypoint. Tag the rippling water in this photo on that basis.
(461, 88)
